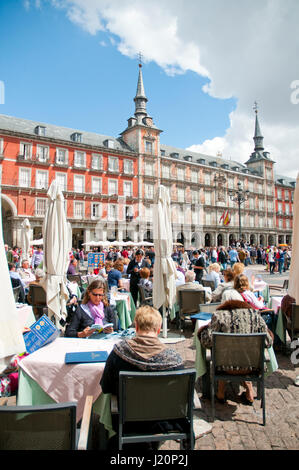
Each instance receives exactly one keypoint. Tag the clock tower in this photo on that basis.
(141, 134)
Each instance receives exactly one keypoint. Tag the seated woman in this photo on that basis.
(94, 309)
(115, 275)
(213, 275)
(144, 352)
(223, 286)
(234, 316)
(145, 281)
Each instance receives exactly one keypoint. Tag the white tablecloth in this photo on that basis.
(25, 315)
(67, 382)
(275, 303)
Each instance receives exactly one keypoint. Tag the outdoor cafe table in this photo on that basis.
(125, 307)
(275, 303)
(45, 378)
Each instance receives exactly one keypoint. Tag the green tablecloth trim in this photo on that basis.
(125, 316)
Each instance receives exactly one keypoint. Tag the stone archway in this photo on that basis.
(252, 239)
(262, 240)
(207, 239)
(219, 239)
(271, 240)
(180, 238)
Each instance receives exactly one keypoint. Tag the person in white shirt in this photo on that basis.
(271, 260)
(26, 273)
(190, 283)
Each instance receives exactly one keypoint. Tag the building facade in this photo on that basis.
(109, 184)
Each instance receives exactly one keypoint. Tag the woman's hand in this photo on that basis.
(86, 332)
(108, 330)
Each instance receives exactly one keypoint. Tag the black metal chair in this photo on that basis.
(189, 300)
(144, 300)
(37, 298)
(234, 351)
(294, 330)
(207, 283)
(16, 292)
(44, 427)
(149, 398)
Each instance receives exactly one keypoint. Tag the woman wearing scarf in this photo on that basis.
(94, 309)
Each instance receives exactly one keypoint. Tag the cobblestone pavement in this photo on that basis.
(239, 427)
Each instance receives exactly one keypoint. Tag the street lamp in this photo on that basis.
(239, 196)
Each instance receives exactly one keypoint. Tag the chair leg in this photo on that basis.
(213, 398)
(263, 404)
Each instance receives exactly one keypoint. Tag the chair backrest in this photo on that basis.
(295, 320)
(207, 283)
(75, 278)
(16, 292)
(44, 427)
(208, 308)
(238, 351)
(38, 295)
(189, 299)
(156, 396)
(143, 298)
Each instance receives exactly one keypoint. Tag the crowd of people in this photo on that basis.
(241, 308)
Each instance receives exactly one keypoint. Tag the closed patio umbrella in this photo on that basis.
(25, 238)
(293, 289)
(56, 236)
(164, 287)
(11, 337)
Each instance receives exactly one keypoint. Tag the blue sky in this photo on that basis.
(56, 72)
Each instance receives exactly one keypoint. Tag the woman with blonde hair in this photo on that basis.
(214, 274)
(238, 268)
(94, 309)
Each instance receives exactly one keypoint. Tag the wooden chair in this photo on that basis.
(44, 427)
(38, 300)
(238, 351)
(294, 330)
(146, 398)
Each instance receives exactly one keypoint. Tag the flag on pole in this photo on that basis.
(222, 217)
(227, 218)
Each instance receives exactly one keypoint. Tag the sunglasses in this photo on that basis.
(97, 295)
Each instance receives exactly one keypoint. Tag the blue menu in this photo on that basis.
(42, 332)
(85, 357)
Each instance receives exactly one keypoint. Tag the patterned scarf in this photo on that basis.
(97, 312)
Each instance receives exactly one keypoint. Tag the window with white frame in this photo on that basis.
(149, 191)
(208, 198)
(78, 209)
(79, 159)
(279, 207)
(148, 169)
(261, 204)
(251, 203)
(287, 223)
(96, 185)
(112, 187)
(128, 167)
(270, 222)
(128, 189)
(42, 153)
(129, 213)
(230, 182)
(112, 212)
(270, 206)
(113, 164)
(278, 193)
(280, 225)
(40, 207)
(25, 177)
(79, 183)
(181, 174)
(148, 213)
(207, 179)
(251, 221)
(208, 218)
(1, 146)
(61, 179)
(287, 209)
(194, 176)
(250, 186)
(181, 195)
(61, 156)
(96, 161)
(148, 146)
(41, 179)
(26, 150)
(260, 188)
(194, 197)
(95, 210)
(286, 193)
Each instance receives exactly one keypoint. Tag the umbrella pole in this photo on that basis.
(164, 322)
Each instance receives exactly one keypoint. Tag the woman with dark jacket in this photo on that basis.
(133, 270)
(94, 309)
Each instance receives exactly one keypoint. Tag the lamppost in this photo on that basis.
(239, 196)
(219, 180)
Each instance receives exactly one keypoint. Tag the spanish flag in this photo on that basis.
(226, 219)
(222, 217)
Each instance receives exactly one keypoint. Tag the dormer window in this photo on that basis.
(213, 164)
(162, 153)
(174, 155)
(201, 161)
(188, 158)
(109, 143)
(40, 130)
(76, 137)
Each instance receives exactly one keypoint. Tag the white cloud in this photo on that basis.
(248, 50)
